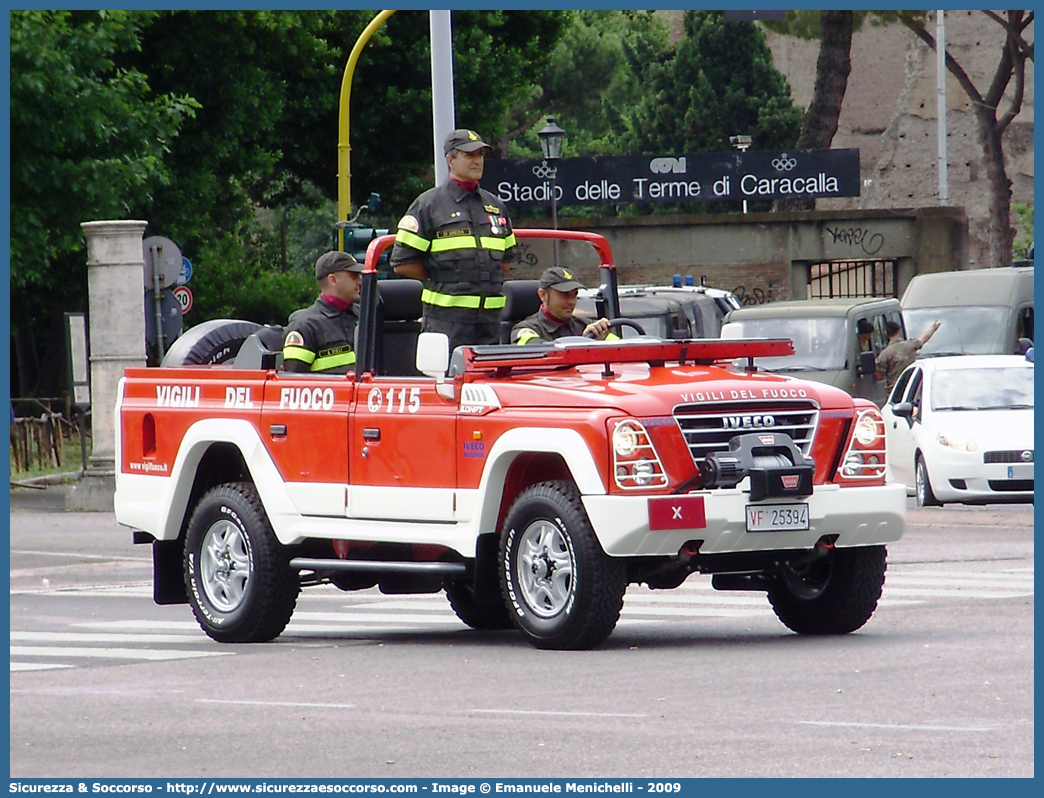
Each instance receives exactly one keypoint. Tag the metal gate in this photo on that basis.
(853, 278)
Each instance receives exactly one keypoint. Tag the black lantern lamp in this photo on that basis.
(551, 139)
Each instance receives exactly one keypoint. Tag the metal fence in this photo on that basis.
(853, 278)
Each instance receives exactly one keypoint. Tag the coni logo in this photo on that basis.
(662, 166)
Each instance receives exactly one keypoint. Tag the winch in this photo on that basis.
(772, 460)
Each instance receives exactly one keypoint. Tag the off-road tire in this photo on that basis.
(562, 590)
(489, 617)
(215, 341)
(923, 485)
(237, 575)
(835, 595)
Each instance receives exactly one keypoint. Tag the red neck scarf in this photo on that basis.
(471, 186)
(549, 317)
(337, 302)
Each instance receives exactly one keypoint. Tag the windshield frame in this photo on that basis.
(963, 329)
(831, 335)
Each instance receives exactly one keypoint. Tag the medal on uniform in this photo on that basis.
(493, 228)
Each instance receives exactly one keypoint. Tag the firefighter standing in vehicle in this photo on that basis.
(558, 292)
(321, 337)
(458, 237)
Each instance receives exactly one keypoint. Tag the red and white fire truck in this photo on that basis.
(532, 483)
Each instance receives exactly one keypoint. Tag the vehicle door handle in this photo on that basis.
(277, 430)
(371, 434)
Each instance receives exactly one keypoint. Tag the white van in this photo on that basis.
(981, 311)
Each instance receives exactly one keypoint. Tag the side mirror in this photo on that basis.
(433, 354)
(867, 364)
(903, 410)
(433, 360)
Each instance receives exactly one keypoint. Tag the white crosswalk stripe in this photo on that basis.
(325, 614)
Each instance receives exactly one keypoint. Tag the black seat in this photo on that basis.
(262, 349)
(522, 301)
(399, 312)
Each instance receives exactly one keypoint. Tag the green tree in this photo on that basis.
(595, 49)
(267, 87)
(719, 81)
(88, 141)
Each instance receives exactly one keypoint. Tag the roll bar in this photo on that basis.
(366, 349)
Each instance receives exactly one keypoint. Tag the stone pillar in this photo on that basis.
(115, 287)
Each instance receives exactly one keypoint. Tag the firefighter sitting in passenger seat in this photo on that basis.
(558, 291)
(321, 337)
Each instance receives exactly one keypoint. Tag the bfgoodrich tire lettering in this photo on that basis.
(834, 595)
(237, 575)
(562, 591)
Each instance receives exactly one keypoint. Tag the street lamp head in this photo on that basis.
(740, 142)
(551, 139)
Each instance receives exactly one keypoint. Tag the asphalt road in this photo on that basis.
(693, 683)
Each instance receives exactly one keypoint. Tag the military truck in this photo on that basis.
(827, 345)
(980, 311)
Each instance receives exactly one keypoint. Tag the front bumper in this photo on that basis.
(976, 477)
(859, 516)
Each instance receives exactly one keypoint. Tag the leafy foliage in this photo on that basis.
(242, 283)
(88, 138)
(718, 82)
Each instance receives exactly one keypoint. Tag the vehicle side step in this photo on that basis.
(379, 566)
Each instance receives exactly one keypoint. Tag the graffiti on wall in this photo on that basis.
(757, 296)
(867, 240)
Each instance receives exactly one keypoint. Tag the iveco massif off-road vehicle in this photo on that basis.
(531, 483)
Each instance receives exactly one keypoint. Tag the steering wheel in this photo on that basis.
(623, 322)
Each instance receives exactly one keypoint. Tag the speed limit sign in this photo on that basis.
(184, 296)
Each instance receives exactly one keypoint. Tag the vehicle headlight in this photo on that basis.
(625, 440)
(957, 442)
(853, 465)
(642, 472)
(866, 431)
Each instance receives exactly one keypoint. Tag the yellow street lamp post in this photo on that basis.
(344, 167)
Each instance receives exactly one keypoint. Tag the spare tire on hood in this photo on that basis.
(211, 342)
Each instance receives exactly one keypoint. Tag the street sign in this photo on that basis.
(77, 359)
(184, 296)
(700, 177)
(186, 271)
(162, 260)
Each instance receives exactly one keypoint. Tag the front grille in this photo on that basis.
(709, 427)
(1011, 456)
(1011, 485)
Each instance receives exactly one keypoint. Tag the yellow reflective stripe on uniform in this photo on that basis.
(497, 244)
(449, 300)
(462, 301)
(333, 361)
(457, 242)
(612, 337)
(526, 335)
(510, 241)
(298, 353)
(412, 240)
